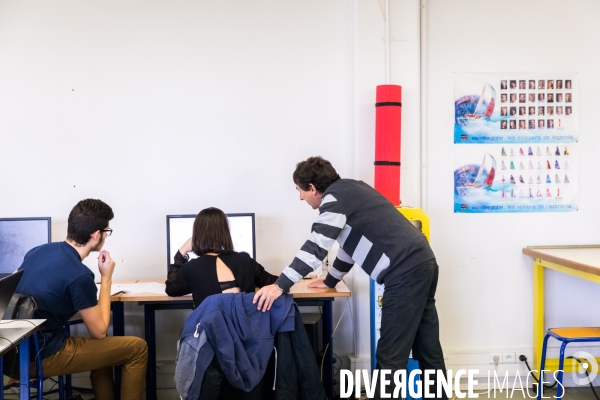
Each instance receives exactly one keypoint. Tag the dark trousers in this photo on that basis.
(216, 387)
(409, 321)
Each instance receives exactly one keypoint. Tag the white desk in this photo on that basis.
(16, 333)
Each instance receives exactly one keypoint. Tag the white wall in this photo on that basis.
(485, 297)
(169, 107)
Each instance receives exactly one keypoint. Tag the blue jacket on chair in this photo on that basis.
(231, 328)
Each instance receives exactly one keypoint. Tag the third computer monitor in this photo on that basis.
(180, 227)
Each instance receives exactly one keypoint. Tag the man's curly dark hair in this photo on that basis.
(315, 170)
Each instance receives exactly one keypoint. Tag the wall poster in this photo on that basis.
(515, 141)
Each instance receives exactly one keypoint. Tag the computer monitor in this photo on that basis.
(17, 237)
(180, 228)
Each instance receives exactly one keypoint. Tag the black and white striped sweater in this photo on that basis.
(369, 230)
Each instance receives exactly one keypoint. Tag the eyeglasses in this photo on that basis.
(108, 231)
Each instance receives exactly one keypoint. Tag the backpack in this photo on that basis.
(188, 349)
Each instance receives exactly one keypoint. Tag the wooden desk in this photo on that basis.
(580, 261)
(16, 333)
(303, 295)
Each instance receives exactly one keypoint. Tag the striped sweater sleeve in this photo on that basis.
(325, 231)
(341, 266)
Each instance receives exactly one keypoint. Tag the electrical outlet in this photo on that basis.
(496, 361)
(508, 358)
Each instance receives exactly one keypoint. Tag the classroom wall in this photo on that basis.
(484, 296)
(166, 108)
(169, 107)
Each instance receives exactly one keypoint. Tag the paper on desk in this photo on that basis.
(149, 287)
(113, 290)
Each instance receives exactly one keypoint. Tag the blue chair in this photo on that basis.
(566, 336)
(23, 307)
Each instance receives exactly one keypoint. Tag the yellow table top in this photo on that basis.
(585, 258)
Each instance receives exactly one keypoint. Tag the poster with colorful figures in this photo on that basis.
(516, 138)
(516, 178)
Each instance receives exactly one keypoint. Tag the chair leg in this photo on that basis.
(68, 383)
(61, 388)
(561, 364)
(540, 388)
(68, 386)
(38, 367)
(2, 371)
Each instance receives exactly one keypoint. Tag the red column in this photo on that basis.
(388, 109)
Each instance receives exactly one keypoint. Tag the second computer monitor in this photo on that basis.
(17, 237)
(180, 228)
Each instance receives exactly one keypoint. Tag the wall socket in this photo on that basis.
(508, 358)
(499, 358)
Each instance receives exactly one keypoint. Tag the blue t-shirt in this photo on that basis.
(61, 285)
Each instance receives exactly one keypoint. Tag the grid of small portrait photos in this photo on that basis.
(535, 104)
(516, 136)
(535, 171)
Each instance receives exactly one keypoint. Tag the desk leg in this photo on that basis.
(150, 327)
(538, 312)
(118, 315)
(328, 342)
(24, 370)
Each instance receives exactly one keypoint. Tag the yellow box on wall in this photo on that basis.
(418, 217)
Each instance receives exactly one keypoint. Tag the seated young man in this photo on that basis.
(62, 285)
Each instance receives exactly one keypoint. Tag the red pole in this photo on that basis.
(388, 109)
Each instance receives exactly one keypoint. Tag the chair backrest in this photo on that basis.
(8, 285)
(20, 307)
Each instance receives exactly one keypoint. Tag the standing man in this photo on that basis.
(388, 247)
(62, 285)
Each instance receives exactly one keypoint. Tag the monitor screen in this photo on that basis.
(17, 237)
(180, 227)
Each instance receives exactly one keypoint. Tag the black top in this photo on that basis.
(199, 276)
(228, 285)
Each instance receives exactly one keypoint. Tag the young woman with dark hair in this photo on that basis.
(218, 268)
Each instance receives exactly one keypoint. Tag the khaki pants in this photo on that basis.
(100, 356)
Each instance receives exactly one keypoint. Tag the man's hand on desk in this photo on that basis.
(318, 284)
(266, 296)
